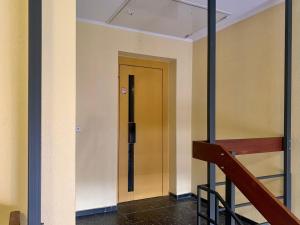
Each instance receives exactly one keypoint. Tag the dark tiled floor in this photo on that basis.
(155, 211)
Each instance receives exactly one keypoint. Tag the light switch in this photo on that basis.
(78, 130)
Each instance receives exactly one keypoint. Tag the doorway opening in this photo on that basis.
(97, 129)
(144, 128)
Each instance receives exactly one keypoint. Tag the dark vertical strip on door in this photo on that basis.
(131, 133)
(34, 112)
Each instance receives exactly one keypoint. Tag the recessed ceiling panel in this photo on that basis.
(97, 10)
(168, 17)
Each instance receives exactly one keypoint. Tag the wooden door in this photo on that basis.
(147, 92)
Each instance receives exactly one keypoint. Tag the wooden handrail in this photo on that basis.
(15, 218)
(261, 198)
(253, 145)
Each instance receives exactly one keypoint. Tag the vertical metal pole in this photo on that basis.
(217, 211)
(230, 199)
(211, 100)
(287, 103)
(34, 112)
(199, 205)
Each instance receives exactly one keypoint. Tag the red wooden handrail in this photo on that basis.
(261, 198)
(14, 218)
(253, 145)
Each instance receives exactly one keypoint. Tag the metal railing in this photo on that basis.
(271, 208)
(218, 199)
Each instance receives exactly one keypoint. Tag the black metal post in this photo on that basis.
(217, 211)
(199, 205)
(34, 112)
(230, 199)
(287, 102)
(211, 100)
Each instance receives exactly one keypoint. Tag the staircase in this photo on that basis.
(258, 195)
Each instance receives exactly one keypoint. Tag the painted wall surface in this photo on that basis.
(58, 112)
(250, 75)
(97, 108)
(13, 108)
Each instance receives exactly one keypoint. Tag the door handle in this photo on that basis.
(131, 133)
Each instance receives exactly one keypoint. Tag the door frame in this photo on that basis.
(164, 65)
(34, 110)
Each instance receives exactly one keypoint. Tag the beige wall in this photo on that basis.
(58, 112)
(250, 74)
(239, 74)
(13, 108)
(97, 108)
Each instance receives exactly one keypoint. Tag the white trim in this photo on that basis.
(231, 20)
(132, 30)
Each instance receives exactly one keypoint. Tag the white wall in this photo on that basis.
(97, 108)
(58, 112)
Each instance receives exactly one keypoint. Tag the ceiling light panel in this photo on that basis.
(168, 17)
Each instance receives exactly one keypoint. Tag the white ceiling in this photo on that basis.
(168, 17)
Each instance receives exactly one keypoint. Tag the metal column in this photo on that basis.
(230, 198)
(287, 102)
(34, 112)
(211, 101)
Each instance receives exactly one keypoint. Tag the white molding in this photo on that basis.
(132, 30)
(231, 20)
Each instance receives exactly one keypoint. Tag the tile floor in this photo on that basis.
(155, 211)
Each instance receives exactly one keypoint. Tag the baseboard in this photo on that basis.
(91, 212)
(183, 196)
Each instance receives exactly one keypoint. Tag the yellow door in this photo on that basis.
(147, 92)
